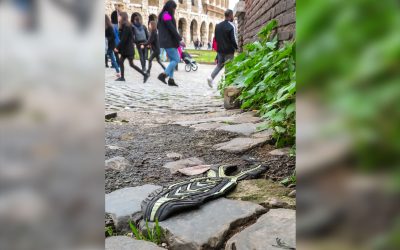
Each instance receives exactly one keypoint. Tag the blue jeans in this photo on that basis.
(174, 59)
(110, 53)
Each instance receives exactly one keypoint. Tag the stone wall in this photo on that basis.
(253, 14)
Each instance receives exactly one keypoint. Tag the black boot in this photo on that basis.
(121, 79)
(162, 77)
(146, 76)
(172, 83)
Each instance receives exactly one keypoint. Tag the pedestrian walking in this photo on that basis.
(169, 40)
(125, 47)
(141, 35)
(226, 44)
(110, 36)
(153, 42)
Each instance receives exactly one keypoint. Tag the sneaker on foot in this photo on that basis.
(210, 82)
(162, 77)
(172, 83)
(120, 79)
(146, 76)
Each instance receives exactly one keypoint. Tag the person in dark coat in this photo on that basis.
(141, 35)
(109, 33)
(125, 47)
(169, 40)
(225, 36)
(154, 44)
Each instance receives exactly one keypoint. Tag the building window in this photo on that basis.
(193, 2)
(181, 1)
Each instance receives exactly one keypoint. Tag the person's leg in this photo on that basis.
(110, 53)
(106, 61)
(152, 56)
(159, 61)
(219, 66)
(145, 76)
(121, 65)
(141, 57)
(174, 59)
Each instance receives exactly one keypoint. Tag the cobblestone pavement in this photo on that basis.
(193, 96)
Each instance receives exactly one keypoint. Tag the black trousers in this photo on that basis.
(130, 60)
(157, 57)
(143, 55)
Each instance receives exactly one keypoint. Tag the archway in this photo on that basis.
(182, 27)
(193, 31)
(210, 32)
(203, 32)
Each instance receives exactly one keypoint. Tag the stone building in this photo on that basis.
(196, 19)
(251, 15)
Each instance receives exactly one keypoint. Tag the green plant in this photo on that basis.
(154, 234)
(109, 231)
(266, 74)
(289, 180)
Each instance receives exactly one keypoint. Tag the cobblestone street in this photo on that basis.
(193, 96)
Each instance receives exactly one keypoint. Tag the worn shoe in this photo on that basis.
(210, 82)
(120, 79)
(146, 76)
(162, 77)
(172, 83)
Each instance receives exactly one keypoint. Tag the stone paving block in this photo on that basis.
(243, 128)
(128, 243)
(272, 231)
(189, 162)
(207, 226)
(240, 145)
(125, 204)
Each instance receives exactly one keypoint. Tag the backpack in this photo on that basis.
(140, 34)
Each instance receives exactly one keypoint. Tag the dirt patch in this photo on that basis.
(146, 146)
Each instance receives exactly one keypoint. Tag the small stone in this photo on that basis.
(174, 156)
(112, 147)
(196, 170)
(117, 163)
(292, 185)
(240, 145)
(110, 115)
(189, 162)
(126, 137)
(164, 244)
(280, 151)
(275, 203)
(231, 95)
(292, 194)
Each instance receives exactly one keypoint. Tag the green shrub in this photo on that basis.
(266, 74)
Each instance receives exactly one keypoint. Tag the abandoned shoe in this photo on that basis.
(172, 83)
(162, 77)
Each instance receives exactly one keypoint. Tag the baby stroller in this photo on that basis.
(189, 61)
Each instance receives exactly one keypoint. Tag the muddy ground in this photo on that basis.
(145, 146)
